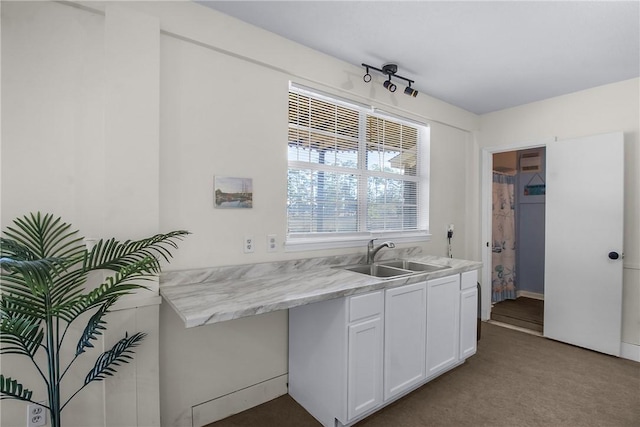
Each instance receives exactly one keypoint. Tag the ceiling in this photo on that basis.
(481, 56)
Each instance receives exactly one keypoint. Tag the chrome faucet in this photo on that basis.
(371, 251)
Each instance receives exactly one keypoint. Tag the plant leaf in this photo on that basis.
(46, 236)
(14, 290)
(20, 335)
(113, 288)
(114, 255)
(119, 353)
(20, 331)
(34, 274)
(12, 389)
(40, 251)
(17, 265)
(93, 328)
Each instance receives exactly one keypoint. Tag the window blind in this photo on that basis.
(350, 170)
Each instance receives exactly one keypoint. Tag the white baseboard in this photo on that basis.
(630, 351)
(528, 294)
(238, 401)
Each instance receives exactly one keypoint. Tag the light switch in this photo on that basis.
(272, 243)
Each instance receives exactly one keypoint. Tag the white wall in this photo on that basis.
(229, 123)
(233, 123)
(122, 128)
(80, 139)
(613, 107)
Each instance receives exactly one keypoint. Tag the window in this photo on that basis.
(353, 173)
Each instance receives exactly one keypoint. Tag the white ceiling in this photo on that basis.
(482, 56)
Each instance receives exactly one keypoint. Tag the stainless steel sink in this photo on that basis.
(395, 268)
(414, 266)
(378, 270)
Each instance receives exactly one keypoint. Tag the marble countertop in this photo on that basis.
(217, 294)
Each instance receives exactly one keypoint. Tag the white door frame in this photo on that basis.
(485, 203)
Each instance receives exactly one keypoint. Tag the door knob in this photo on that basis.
(614, 255)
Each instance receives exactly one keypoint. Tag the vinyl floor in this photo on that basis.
(524, 312)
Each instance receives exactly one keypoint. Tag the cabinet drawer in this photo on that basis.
(468, 279)
(366, 305)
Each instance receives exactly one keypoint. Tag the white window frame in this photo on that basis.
(332, 240)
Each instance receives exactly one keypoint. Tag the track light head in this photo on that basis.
(367, 76)
(410, 91)
(389, 86)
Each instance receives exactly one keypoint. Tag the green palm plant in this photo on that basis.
(45, 267)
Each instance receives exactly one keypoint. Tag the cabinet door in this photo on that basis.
(364, 390)
(404, 338)
(468, 322)
(443, 323)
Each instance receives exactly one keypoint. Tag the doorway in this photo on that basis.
(518, 238)
(578, 257)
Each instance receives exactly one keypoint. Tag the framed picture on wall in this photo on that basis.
(232, 193)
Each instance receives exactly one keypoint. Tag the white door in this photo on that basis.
(584, 232)
(405, 321)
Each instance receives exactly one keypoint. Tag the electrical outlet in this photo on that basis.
(449, 231)
(36, 415)
(272, 243)
(248, 244)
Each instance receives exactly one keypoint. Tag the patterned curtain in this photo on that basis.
(503, 275)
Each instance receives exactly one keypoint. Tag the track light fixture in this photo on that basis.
(390, 70)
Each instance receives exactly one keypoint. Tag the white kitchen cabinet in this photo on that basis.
(404, 338)
(350, 356)
(468, 314)
(336, 357)
(364, 355)
(364, 367)
(443, 323)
